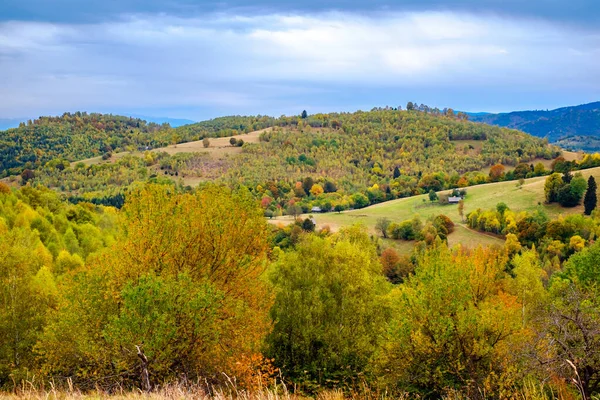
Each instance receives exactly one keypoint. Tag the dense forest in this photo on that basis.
(192, 286)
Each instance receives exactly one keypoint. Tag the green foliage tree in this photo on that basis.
(432, 195)
(329, 310)
(382, 226)
(552, 186)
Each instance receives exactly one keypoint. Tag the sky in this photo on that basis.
(203, 59)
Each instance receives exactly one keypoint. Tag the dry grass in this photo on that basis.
(177, 392)
(219, 148)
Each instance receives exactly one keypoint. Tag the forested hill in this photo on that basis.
(582, 120)
(77, 136)
(74, 136)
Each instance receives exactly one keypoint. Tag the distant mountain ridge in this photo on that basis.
(174, 122)
(581, 121)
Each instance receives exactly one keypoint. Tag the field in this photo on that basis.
(218, 148)
(527, 198)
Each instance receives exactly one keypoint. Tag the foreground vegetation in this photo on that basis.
(196, 288)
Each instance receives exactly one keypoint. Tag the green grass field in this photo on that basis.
(527, 198)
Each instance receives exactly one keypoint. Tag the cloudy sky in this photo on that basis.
(201, 59)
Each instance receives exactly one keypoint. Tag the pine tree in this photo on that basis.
(590, 200)
(396, 172)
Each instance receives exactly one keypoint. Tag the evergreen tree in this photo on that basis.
(396, 172)
(304, 114)
(590, 200)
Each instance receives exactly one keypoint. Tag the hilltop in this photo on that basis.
(577, 121)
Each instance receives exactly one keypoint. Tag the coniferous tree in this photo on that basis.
(590, 200)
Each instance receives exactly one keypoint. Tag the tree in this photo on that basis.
(382, 226)
(453, 325)
(521, 170)
(461, 210)
(294, 210)
(396, 172)
(307, 184)
(570, 195)
(590, 200)
(233, 141)
(395, 267)
(206, 142)
(27, 175)
(410, 106)
(27, 289)
(339, 208)
(570, 335)
(552, 186)
(432, 195)
(183, 280)
(329, 187)
(308, 225)
(497, 173)
(304, 114)
(316, 190)
(329, 310)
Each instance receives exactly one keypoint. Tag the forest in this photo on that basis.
(180, 285)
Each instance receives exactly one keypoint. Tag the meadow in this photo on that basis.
(528, 197)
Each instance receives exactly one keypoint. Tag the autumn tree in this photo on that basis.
(497, 173)
(453, 325)
(396, 267)
(316, 190)
(206, 142)
(183, 282)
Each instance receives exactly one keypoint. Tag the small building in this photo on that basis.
(454, 199)
(316, 209)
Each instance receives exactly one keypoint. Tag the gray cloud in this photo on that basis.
(273, 62)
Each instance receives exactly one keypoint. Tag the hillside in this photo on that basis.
(529, 198)
(581, 121)
(352, 159)
(78, 136)
(74, 137)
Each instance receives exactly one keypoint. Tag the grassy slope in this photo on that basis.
(218, 148)
(482, 196)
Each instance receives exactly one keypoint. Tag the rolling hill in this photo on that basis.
(578, 122)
